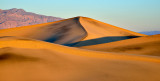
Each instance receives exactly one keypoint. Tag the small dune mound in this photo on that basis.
(148, 45)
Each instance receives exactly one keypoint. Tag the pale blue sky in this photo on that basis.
(135, 15)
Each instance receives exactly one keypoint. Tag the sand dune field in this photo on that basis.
(103, 53)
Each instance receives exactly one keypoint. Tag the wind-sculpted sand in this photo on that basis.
(37, 53)
(61, 32)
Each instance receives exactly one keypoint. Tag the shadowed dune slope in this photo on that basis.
(68, 31)
(148, 45)
(24, 59)
(61, 32)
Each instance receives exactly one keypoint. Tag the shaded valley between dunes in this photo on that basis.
(100, 40)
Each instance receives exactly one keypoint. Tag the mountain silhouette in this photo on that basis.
(150, 32)
(19, 17)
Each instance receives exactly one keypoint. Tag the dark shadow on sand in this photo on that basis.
(99, 41)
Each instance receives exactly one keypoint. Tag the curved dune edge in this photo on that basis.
(98, 29)
(147, 45)
(35, 44)
(61, 32)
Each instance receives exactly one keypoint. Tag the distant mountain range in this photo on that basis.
(150, 32)
(18, 17)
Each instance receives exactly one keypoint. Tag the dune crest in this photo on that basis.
(60, 32)
(98, 29)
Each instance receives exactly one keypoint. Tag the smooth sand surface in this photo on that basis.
(147, 45)
(98, 29)
(23, 59)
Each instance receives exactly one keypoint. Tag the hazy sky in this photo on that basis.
(135, 15)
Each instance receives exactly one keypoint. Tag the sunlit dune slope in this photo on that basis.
(61, 32)
(98, 29)
(68, 31)
(24, 59)
(148, 45)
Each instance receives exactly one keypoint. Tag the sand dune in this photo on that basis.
(68, 31)
(147, 45)
(61, 32)
(24, 59)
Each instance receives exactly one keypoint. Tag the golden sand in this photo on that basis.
(26, 56)
(33, 60)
